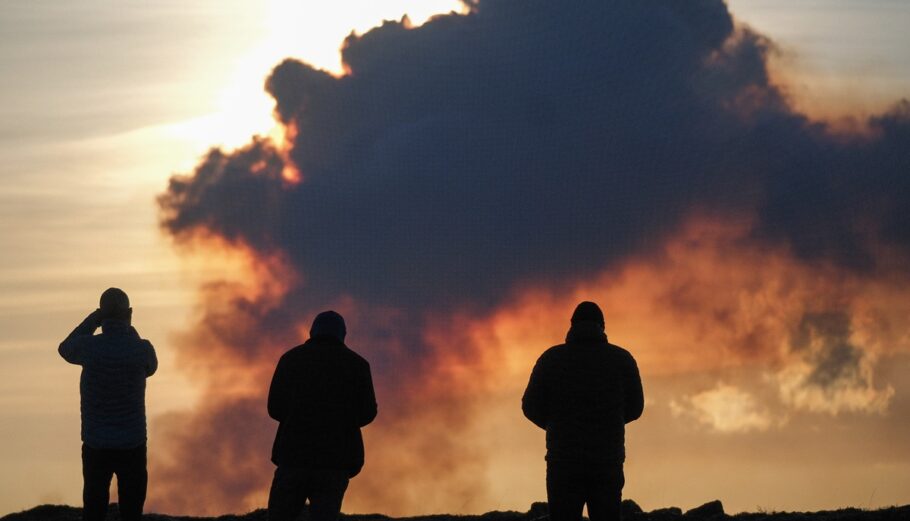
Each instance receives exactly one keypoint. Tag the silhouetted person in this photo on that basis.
(115, 365)
(583, 393)
(321, 395)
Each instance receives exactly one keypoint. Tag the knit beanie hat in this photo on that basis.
(328, 324)
(588, 312)
(115, 304)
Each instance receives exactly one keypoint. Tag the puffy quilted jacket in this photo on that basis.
(583, 393)
(115, 365)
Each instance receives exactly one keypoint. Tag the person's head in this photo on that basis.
(328, 324)
(588, 313)
(115, 305)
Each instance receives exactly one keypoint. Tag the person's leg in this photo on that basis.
(328, 488)
(96, 483)
(565, 495)
(287, 495)
(604, 493)
(132, 482)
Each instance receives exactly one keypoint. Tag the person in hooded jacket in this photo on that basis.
(583, 393)
(321, 395)
(115, 365)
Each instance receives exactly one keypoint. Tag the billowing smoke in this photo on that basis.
(834, 374)
(463, 172)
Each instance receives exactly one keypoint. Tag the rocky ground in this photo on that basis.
(713, 511)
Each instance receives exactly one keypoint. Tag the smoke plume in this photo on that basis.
(466, 182)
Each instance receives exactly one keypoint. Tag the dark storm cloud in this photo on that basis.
(825, 197)
(527, 143)
(534, 141)
(530, 143)
(212, 199)
(538, 141)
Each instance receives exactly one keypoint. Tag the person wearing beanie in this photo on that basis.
(115, 365)
(583, 393)
(321, 395)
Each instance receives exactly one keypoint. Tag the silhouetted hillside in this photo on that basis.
(712, 511)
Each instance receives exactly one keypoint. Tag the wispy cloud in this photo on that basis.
(724, 408)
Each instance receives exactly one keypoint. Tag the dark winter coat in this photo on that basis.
(583, 393)
(321, 395)
(115, 365)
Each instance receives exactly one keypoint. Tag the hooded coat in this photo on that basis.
(583, 393)
(321, 394)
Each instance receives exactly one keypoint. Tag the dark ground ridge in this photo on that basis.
(712, 511)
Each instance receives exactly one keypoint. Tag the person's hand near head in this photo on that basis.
(95, 317)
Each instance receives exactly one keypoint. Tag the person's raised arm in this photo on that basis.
(72, 348)
(634, 395)
(534, 401)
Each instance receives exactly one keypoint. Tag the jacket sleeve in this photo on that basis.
(632, 390)
(278, 391)
(534, 401)
(367, 408)
(151, 364)
(72, 349)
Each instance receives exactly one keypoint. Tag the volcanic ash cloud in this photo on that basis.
(526, 148)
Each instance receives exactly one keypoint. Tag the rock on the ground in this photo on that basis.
(664, 514)
(630, 508)
(709, 510)
(539, 510)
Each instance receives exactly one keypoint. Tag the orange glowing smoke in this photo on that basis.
(450, 436)
(286, 135)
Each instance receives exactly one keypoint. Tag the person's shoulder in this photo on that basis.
(356, 357)
(144, 342)
(138, 346)
(553, 352)
(556, 349)
(294, 351)
(293, 354)
(621, 352)
(619, 348)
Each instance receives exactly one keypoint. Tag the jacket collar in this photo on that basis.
(324, 339)
(586, 332)
(117, 327)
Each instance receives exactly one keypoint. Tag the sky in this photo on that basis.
(729, 192)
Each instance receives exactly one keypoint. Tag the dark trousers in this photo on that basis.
(99, 467)
(572, 485)
(292, 486)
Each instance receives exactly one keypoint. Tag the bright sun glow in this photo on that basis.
(303, 30)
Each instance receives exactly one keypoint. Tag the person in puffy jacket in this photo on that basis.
(583, 393)
(115, 365)
(321, 395)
